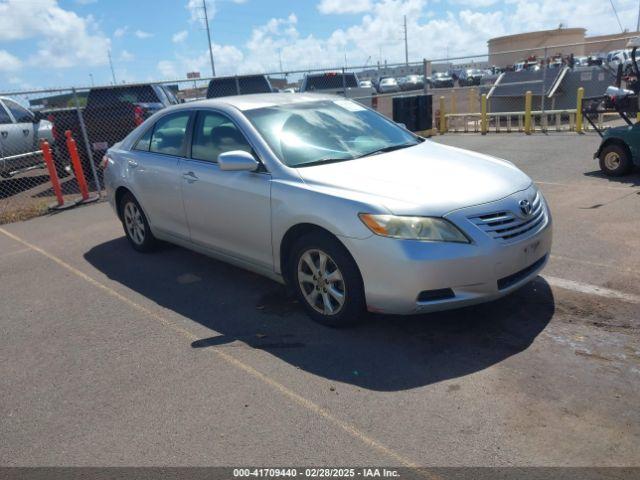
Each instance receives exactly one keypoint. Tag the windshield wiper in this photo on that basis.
(323, 161)
(390, 148)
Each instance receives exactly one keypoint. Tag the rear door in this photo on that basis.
(24, 125)
(13, 142)
(153, 172)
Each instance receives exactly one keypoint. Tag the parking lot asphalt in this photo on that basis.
(110, 357)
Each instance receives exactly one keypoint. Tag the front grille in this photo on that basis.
(514, 278)
(507, 226)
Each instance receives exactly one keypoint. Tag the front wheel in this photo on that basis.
(615, 161)
(136, 226)
(327, 280)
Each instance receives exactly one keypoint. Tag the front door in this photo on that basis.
(226, 211)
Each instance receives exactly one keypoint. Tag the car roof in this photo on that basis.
(261, 100)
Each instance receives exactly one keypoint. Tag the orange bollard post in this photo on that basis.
(53, 175)
(77, 169)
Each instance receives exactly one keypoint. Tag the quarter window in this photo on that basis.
(215, 134)
(144, 142)
(169, 135)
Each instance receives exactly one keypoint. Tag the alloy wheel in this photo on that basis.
(134, 223)
(321, 282)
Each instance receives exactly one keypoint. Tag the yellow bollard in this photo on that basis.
(579, 110)
(527, 113)
(483, 115)
(443, 118)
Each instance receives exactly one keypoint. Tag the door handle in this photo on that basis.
(26, 131)
(132, 163)
(190, 177)
(4, 134)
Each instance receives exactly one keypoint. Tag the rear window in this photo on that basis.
(223, 87)
(134, 94)
(330, 81)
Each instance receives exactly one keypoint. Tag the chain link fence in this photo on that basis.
(521, 90)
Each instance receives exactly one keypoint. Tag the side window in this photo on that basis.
(170, 134)
(215, 134)
(4, 116)
(21, 114)
(144, 142)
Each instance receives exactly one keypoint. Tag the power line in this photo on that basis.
(113, 73)
(206, 22)
(617, 17)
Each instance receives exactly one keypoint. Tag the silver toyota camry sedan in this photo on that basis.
(344, 206)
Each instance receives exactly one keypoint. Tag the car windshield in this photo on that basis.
(327, 131)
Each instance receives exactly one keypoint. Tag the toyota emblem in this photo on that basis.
(525, 207)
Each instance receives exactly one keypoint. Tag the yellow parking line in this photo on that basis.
(230, 359)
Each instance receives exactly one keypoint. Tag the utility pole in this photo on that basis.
(206, 22)
(280, 58)
(638, 24)
(406, 43)
(113, 73)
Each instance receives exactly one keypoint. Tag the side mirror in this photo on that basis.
(237, 161)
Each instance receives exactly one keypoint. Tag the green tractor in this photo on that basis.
(619, 150)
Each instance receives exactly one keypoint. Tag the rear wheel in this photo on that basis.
(136, 226)
(615, 160)
(327, 280)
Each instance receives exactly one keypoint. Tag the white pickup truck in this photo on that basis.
(20, 134)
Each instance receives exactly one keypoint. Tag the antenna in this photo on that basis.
(206, 22)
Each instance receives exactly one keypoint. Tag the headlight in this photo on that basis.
(414, 228)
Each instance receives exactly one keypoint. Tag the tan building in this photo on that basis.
(534, 43)
(607, 43)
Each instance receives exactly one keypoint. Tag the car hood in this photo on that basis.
(428, 179)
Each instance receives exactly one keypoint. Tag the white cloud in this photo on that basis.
(328, 7)
(9, 62)
(378, 34)
(63, 38)
(126, 56)
(180, 36)
(86, 2)
(142, 34)
(120, 32)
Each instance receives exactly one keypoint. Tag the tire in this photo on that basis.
(62, 169)
(339, 301)
(135, 224)
(615, 160)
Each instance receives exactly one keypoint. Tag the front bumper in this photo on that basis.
(395, 272)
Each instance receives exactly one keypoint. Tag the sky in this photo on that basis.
(59, 43)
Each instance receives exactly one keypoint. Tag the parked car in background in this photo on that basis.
(338, 83)
(352, 211)
(20, 133)
(442, 80)
(618, 57)
(388, 85)
(581, 61)
(365, 84)
(411, 82)
(470, 76)
(110, 114)
(238, 85)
